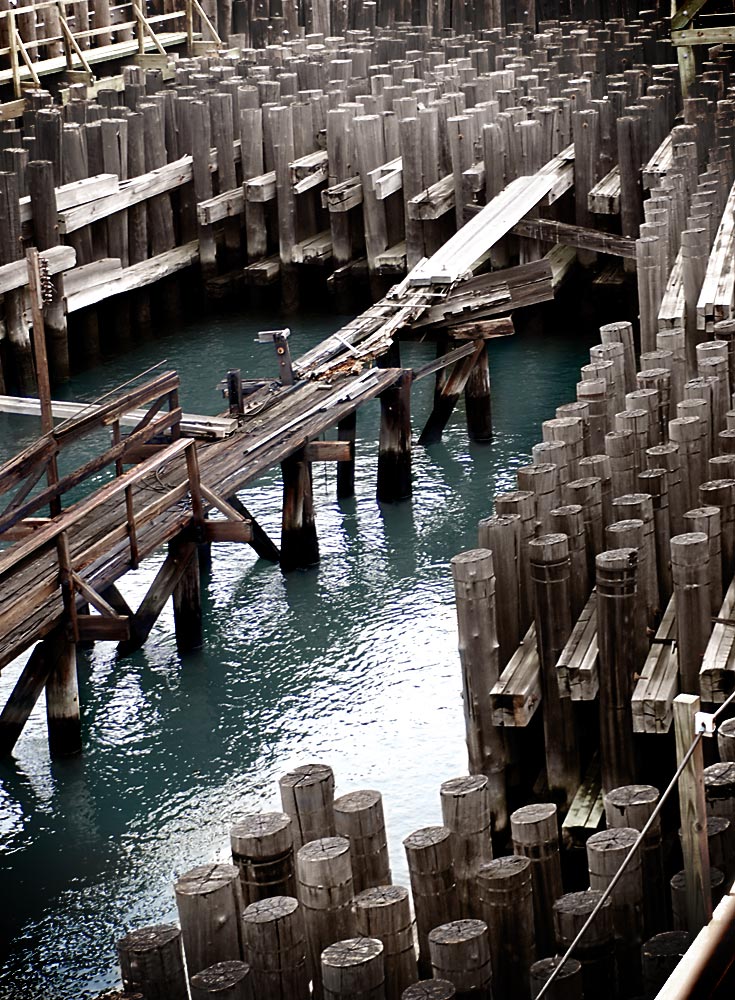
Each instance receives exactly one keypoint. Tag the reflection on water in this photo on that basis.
(354, 664)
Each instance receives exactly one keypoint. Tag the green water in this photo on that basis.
(353, 664)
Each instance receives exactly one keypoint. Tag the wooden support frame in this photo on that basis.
(449, 391)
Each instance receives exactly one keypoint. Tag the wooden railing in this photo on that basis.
(20, 476)
(47, 559)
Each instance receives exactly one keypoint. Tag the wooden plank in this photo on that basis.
(309, 171)
(717, 673)
(586, 811)
(653, 696)
(132, 192)
(517, 693)
(576, 668)
(604, 197)
(228, 531)
(88, 275)
(328, 451)
(724, 35)
(262, 188)
(15, 274)
(659, 164)
(561, 260)
(576, 236)
(222, 206)
(314, 250)
(343, 196)
(137, 276)
(716, 296)
(387, 179)
(433, 202)
(76, 193)
(98, 628)
(463, 251)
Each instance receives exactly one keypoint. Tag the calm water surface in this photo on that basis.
(354, 664)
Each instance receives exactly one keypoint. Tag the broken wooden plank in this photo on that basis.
(576, 236)
(659, 164)
(586, 811)
(343, 196)
(717, 673)
(653, 696)
(517, 693)
(718, 288)
(314, 250)
(222, 206)
(309, 171)
(261, 188)
(15, 274)
(576, 667)
(604, 197)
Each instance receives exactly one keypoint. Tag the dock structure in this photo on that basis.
(470, 164)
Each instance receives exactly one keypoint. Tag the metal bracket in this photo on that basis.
(279, 338)
(704, 722)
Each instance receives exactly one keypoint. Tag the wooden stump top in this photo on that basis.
(514, 869)
(359, 801)
(306, 774)
(430, 989)
(261, 833)
(205, 879)
(426, 838)
(458, 932)
(222, 976)
(352, 952)
(149, 938)
(270, 910)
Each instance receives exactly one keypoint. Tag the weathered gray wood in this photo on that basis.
(467, 812)
(307, 796)
(474, 587)
(595, 951)
(224, 981)
(274, 941)
(152, 962)
(433, 885)
(690, 570)
(384, 913)
(660, 956)
(62, 699)
(501, 534)
(566, 986)
(617, 595)
(209, 901)
(535, 834)
(550, 569)
(358, 817)
(606, 852)
(505, 897)
(262, 849)
(353, 967)
(325, 889)
(461, 949)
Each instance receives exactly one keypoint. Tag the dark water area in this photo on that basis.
(353, 663)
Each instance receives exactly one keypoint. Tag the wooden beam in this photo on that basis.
(328, 451)
(683, 16)
(167, 577)
(260, 541)
(100, 628)
(576, 236)
(25, 694)
(228, 531)
(446, 399)
(704, 36)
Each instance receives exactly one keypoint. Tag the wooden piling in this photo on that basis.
(474, 588)
(666, 456)
(550, 570)
(358, 817)
(466, 811)
(433, 884)
(606, 852)
(299, 542)
(639, 506)
(631, 806)
(430, 989)
(187, 597)
(262, 849)
(595, 952)
(535, 833)
(152, 962)
(617, 594)
(394, 445)
(719, 789)
(568, 982)
(660, 955)
(690, 572)
(209, 901)
(501, 534)
(307, 796)
(353, 968)
(720, 493)
(569, 521)
(461, 950)
(274, 939)
(522, 503)
(384, 913)
(505, 897)
(325, 890)
(223, 981)
(587, 494)
(707, 521)
(726, 740)
(62, 698)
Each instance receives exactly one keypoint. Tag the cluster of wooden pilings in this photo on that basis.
(309, 898)
(348, 152)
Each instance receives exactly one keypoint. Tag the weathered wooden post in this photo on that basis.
(394, 446)
(274, 941)
(467, 813)
(505, 898)
(223, 981)
(587, 493)
(325, 890)
(474, 588)
(666, 456)
(262, 849)
(535, 835)
(307, 796)
(550, 569)
(299, 542)
(654, 483)
(595, 952)
(209, 901)
(384, 913)
(631, 806)
(353, 967)
(639, 506)
(606, 852)
(358, 817)
(690, 570)
(660, 955)
(522, 503)
(433, 885)
(617, 594)
(568, 982)
(187, 595)
(707, 521)
(461, 949)
(569, 521)
(501, 534)
(152, 962)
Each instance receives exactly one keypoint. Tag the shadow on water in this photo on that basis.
(354, 663)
